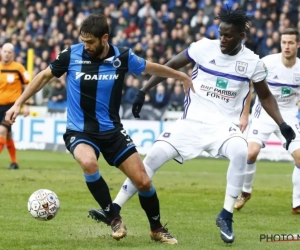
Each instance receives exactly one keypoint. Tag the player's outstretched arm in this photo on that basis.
(269, 103)
(159, 73)
(244, 119)
(37, 83)
(167, 72)
(176, 62)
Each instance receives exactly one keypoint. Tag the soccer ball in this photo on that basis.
(43, 204)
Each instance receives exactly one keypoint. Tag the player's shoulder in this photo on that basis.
(121, 51)
(75, 48)
(271, 59)
(203, 48)
(16, 65)
(297, 62)
(206, 42)
(249, 54)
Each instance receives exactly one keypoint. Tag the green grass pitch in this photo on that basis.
(191, 195)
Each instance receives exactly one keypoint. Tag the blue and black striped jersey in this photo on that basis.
(94, 86)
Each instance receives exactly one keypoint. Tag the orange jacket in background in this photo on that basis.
(12, 78)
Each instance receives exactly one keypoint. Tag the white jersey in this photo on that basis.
(221, 82)
(284, 83)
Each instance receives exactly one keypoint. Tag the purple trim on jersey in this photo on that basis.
(244, 102)
(282, 85)
(188, 56)
(187, 103)
(195, 73)
(257, 110)
(229, 76)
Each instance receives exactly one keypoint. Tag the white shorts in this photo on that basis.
(191, 138)
(260, 132)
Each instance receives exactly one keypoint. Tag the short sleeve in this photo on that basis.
(24, 74)
(260, 72)
(60, 65)
(136, 64)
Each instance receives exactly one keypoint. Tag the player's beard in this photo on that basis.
(99, 50)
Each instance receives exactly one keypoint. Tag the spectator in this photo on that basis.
(154, 29)
(57, 100)
(159, 99)
(177, 98)
(131, 92)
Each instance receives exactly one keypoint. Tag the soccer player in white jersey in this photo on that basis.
(221, 80)
(284, 82)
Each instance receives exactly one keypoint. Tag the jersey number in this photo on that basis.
(232, 129)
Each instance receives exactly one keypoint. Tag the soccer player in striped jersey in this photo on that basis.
(284, 83)
(95, 77)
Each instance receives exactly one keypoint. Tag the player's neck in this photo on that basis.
(289, 63)
(105, 51)
(236, 50)
(5, 63)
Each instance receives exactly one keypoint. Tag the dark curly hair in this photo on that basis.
(235, 17)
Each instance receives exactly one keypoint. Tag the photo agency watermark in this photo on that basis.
(279, 237)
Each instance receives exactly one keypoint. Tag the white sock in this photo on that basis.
(229, 203)
(126, 192)
(235, 149)
(296, 187)
(249, 178)
(160, 153)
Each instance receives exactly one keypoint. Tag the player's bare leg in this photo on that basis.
(245, 195)
(160, 153)
(12, 151)
(296, 181)
(3, 135)
(134, 169)
(86, 157)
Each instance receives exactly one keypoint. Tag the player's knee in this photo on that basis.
(9, 136)
(297, 159)
(143, 184)
(88, 164)
(3, 131)
(252, 155)
(241, 149)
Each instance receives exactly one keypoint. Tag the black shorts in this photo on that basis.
(115, 147)
(3, 110)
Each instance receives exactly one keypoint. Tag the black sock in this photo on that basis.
(100, 191)
(150, 205)
(117, 207)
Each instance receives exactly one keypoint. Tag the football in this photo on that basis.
(43, 204)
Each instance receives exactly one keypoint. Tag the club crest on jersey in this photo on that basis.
(296, 78)
(116, 63)
(241, 67)
(10, 78)
(285, 91)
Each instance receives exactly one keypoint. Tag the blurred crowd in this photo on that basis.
(154, 29)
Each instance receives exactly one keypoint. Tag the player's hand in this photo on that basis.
(138, 103)
(26, 110)
(187, 84)
(288, 134)
(244, 119)
(12, 113)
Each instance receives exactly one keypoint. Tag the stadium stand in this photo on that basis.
(155, 30)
